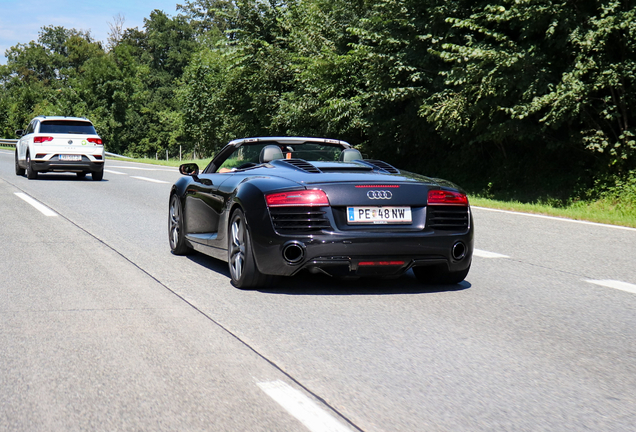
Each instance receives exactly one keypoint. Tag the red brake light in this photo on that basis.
(97, 141)
(380, 263)
(41, 139)
(441, 197)
(314, 197)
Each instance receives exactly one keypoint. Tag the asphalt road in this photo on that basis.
(102, 328)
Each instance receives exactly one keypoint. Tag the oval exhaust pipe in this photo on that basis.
(293, 252)
(458, 252)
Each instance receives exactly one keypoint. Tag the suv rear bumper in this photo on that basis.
(85, 165)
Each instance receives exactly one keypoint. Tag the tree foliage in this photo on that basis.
(495, 93)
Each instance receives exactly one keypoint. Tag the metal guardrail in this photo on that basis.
(8, 142)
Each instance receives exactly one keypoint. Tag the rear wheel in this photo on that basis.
(18, 170)
(176, 233)
(243, 269)
(97, 175)
(30, 172)
(439, 275)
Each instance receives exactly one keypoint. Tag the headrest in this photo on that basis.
(350, 154)
(269, 153)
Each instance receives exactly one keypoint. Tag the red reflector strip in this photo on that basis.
(41, 139)
(378, 186)
(441, 197)
(314, 197)
(380, 263)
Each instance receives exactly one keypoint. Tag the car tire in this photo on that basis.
(18, 169)
(439, 275)
(30, 172)
(243, 270)
(97, 175)
(176, 233)
(81, 175)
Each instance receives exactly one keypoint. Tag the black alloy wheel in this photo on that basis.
(243, 270)
(18, 169)
(176, 234)
(30, 172)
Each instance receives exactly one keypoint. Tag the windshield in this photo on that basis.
(67, 127)
(248, 154)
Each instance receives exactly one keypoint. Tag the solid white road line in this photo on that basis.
(149, 179)
(301, 407)
(114, 172)
(562, 219)
(486, 254)
(41, 207)
(623, 286)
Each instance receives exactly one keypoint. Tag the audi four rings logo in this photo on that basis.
(379, 194)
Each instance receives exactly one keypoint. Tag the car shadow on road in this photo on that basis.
(65, 177)
(305, 283)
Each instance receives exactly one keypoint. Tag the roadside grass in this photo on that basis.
(612, 210)
(606, 211)
(202, 163)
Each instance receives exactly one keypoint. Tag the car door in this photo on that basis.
(203, 207)
(23, 143)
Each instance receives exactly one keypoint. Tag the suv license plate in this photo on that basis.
(379, 215)
(71, 158)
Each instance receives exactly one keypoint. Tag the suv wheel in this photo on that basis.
(30, 172)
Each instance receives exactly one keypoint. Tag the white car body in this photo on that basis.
(59, 144)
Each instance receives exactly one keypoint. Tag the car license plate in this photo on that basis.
(379, 215)
(71, 158)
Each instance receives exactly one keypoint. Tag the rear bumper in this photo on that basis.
(85, 165)
(363, 254)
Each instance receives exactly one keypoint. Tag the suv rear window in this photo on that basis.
(67, 127)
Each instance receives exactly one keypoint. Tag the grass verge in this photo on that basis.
(601, 211)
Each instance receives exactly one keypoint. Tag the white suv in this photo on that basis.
(67, 144)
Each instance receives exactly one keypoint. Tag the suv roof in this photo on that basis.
(62, 118)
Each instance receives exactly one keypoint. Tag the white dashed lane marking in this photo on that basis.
(39, 206)
(114, 172)
(486, 254)
(142, 169)
(300, 406)
(623, 286)
(149, 179)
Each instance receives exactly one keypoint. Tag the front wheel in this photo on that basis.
(18, 169)
(30, 172)
(176, 233)
(243, 270)
(439, 275)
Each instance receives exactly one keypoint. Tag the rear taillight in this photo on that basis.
(313, 197)
(41, 139)
(97, 141)
(441, 197)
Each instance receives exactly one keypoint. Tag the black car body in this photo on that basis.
(273, 206)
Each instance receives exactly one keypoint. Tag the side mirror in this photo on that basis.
(189, 169)
(19, 132)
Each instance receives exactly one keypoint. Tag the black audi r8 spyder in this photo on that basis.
(273, 206)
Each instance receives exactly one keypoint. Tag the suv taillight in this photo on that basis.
(41, 139)
(97, 141)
